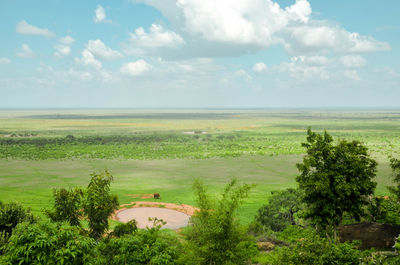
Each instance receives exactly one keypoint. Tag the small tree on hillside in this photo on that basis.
(215, 235)
(67, 205)
(99, 203)
(395, 164)
(336, 179)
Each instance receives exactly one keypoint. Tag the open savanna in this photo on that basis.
(163, 151)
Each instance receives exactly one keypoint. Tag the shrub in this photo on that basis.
(316, 251)
(11, 214)
(48, 243)
(215, 236)
(99, 204)
(124, 229)
(67, 205)
(148, 246)
(280, 210)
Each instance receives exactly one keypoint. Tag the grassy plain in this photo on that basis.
(164, 150)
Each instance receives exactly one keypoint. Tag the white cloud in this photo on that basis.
(156, 37)
(352, 74)
(305, 68)
(258, 24)
(353, 61)
(82, 75)
(4, 61)
(311, 60)
(100, 15)
(67, 40)
(27, 29)
(135, 68)
(88, 59)
(319, 37)
(25, 52)
(99, 49)
(62, 50)
(243, 74)
(259, 67)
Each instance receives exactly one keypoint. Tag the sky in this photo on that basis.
(199, 54)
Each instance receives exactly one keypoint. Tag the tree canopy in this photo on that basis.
(336, 179)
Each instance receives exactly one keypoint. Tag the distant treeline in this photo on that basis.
(148, 146)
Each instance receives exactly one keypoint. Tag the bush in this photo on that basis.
(214, 235)
(385, 211)
(124, 229)
(281, 210)
(11, 214)
(314, 251)
(99, 204)
(48, 243)
(149, 246)
(67, 204)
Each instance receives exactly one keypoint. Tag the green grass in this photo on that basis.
(147, 150)
(31, 182)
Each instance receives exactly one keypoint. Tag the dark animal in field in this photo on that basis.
(376, 235)
(157, 196)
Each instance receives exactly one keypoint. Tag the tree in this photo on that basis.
(280, 210)
(336, 179)
(67, 204)
(214, 234)
(12, 214)
(48, 243)
(395, 165)
(99, 203)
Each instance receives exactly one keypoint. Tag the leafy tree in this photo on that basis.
(336, 179)
(124, 229)
(215, 235)
(383, 210)
(12, 214)
(99, 203)
(48, 243)
(145, 246)
(395, 164)
(314, 250)
(280, 210)
(67, 204)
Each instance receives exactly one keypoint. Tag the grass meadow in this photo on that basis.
(163, 151)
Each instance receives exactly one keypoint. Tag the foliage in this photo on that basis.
(124, 229)
(48, 243)
(67, 204)
(395, 165)
(99, 203)
(215, 236)
(336, 179)
(148, 246)
(314, 250)
(280, 210)
(11, 214)
(383, 210)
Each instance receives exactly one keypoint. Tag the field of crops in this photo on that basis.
(164, 150)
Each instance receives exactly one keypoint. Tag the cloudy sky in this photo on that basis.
(199, 53)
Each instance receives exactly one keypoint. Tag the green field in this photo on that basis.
(164, 150)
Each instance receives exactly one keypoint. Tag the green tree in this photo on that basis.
(99, 203)
(395, 164)
(336, 179)
(11, 214)
(280, 210)
(67, 204)
(145, 246)
(215, 235)
(48, 243)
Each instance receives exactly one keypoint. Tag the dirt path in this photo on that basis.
(176, 215)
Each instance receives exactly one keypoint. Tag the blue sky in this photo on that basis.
(197, 53)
